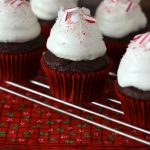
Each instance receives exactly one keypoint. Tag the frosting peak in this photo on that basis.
(75, 36)
(18, 23)
(134, 67)
(123, 16)
(143, 40)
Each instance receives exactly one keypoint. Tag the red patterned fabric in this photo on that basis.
(26, 125)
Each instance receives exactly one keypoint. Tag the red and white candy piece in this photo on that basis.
(70, 11)
(143, 39)
(89, 19)
(114, 1)
(129, 5)
(15, 3)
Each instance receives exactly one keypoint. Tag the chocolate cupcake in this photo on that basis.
(21, 44)
(76, 63)
(133, 84)
(120, 21)
(46, 11)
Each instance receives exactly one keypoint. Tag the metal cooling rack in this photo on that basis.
(13, 88)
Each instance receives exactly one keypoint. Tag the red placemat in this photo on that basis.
(27, 125)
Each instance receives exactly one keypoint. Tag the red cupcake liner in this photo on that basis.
(76, 87)
(45, 30)
(115, 50)
(137, 112)
(18, 67)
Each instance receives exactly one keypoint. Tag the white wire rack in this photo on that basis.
(8, 89)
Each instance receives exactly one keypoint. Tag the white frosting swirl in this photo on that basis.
(18, 23)
(75, 36)
(118, 18)
(134, 69)
(48, 9)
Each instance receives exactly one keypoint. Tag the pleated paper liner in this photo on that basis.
(19, 66)
(76, 87)
(115, 50)
(137, 112)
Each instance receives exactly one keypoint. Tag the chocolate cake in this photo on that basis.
(65, 65)
(135, 92)
(23, 47)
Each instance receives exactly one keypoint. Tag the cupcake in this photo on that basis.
(21, 44)
(133, 81)
(47, 10)
(76, 63)
(119, 21)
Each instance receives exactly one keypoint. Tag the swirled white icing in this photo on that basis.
(18, 23)
(118, 18)
(75, 36)
(134, 68)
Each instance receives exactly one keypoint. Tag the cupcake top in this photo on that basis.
(134, 69)
(17, 22)
(48, 9)
(75, 36)
(119, 18)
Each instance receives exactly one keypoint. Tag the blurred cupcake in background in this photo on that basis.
(47, 10)
(76, 63)
(120, 21)
(21, 44)
(133, 81)
(90, 4)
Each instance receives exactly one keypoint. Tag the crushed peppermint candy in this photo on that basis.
(89, 19)
(129, 5)
(114, 1)
(74, 14)
(15, 3)
(143, 39)
(125, 5)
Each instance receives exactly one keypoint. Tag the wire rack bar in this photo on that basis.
(75, 116)
(77, 107)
